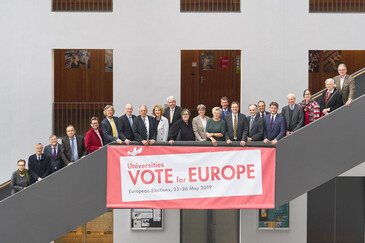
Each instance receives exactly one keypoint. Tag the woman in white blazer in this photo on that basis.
(199, 123)
(162, 124)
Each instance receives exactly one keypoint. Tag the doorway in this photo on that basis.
(209, 226)
(208, 75)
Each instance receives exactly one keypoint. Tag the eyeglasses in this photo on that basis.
(21, 165)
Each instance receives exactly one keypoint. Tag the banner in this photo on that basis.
(190, 177)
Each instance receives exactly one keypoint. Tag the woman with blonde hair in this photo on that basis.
(162, 124)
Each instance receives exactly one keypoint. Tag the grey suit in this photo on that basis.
(198, 128)
(348, 87)
(66, 148)
(242, 127)
(256, 132)
(297, 118)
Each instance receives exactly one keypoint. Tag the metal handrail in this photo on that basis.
(354, 75)
(5, 184)
(202, 144)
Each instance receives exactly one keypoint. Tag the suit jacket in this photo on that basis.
(15, 180)
(162, 129)
(66, 148)
(139, 129)
(177, 114)
(278, 129)
(107, 130)
(92, 140)
(125, 129)
(297, 119)
(242, 127)
(334, 102)
(38, 169)
(229, 111)
(56, 163)
(257, 130)
(266, 113)
(198, 128)
(348, 87)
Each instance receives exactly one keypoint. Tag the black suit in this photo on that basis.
(177, 114)
(256, 132)
(107, 130)
(56, 163)
(295, 120)
(262, 116)
(38, 168)
(242, 127)
(334, 101)
(66, 148)
(125, 129)
(139, 129)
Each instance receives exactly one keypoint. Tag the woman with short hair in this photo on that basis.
(20, 178)
(182, 127)
(199, 123)
(216, 127)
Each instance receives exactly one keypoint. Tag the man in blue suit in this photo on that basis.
(144, 127)
(225, 107)
(274, 125)
(110, 126)
(39, 165)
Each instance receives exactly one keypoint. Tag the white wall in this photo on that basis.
(297, 225)
(147, 37)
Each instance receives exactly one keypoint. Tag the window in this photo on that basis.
(210, 6)
(336, 6)
(82, 5)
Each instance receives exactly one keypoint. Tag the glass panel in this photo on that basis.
(194, 226)
(225, 226)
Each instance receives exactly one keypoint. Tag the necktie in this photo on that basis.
(251, 122)
(147, 135)
(262, 115)
(130, 121)
(235, 127)
(291, 107)
(271, 122)
(113, 127)
(72, 150)
(171, 115)
(327, 97)
(54, 153)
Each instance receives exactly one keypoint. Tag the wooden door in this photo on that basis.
(208, 75)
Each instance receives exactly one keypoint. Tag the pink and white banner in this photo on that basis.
(190, 177)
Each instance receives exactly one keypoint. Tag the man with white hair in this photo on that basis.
(345, 84)
(331, 98)
(173, 112)
(293, 115)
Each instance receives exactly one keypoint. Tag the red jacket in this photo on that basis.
(92, 140)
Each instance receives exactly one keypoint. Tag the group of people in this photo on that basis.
(175, 124)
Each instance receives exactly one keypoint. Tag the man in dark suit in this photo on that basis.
(255, 125)
(39, 165)
(93, 137)
(53, 152)
(225, 107)
(274, 125)
(331, 98)
(173, 112)
(293, 115)
(262, 109)
(345, 84)
(126, 125)
(73, 146)
(110, 126)
(236, 126)
(144, 127)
